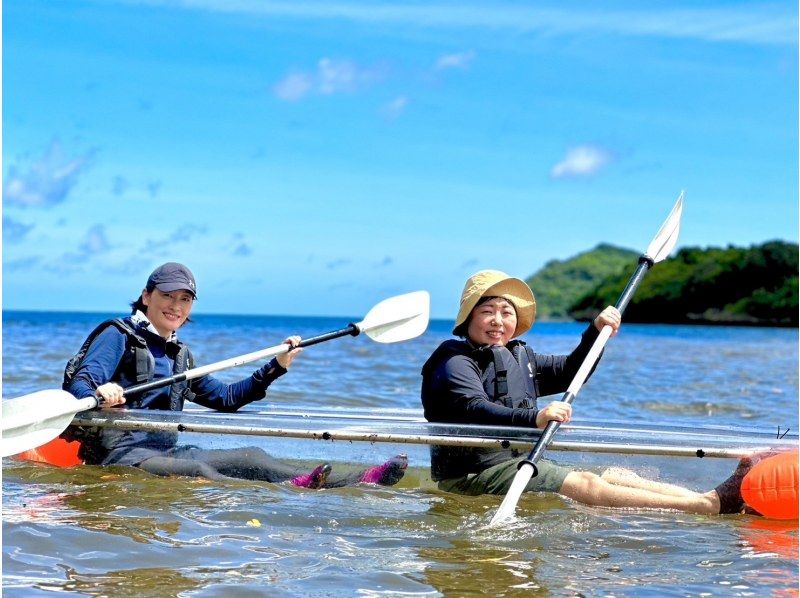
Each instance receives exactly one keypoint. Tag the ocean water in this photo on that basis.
(119, 532)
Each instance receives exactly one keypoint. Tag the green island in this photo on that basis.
(753, 286)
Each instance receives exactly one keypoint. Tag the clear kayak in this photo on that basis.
(409, 427)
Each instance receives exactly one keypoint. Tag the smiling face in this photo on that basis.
(492, 322)
(167, 311)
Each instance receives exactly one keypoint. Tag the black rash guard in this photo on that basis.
(460, 384)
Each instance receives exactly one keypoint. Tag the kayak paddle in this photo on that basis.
(34, 419)
(657, 251)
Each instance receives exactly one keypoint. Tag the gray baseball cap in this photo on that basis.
(172, 276)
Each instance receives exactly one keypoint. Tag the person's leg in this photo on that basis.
(593, 490)
(497, 479)
(619, 476)
(254, 464)
(235, 464)
(553, 478)
(169, 466)
(386, 474)
(247, 463)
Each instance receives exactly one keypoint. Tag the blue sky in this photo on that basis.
(315, 158)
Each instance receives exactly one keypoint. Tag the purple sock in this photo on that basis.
(387, 474)
(313, 480)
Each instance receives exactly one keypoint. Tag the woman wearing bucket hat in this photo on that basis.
(144, 346)
(490, 378)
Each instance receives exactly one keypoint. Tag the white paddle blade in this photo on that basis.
(398, 318)
(509, 504)
(667, 236)
(35, 419)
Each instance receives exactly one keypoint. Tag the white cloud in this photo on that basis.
(47, 182)
(337, 263)
(95, 241)
(581, 161)
(153, 188)
(23, 263)
(243, 250)
(330, 77)
(15, 231)
(119, 185)
(335, 76)
(454, 61)
(186, 232)
(756, 23)
(395, 108)
(293, 87)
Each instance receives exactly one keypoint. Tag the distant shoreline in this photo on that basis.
(439, 322)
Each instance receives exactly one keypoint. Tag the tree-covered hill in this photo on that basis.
(755, 286)
(560, 284)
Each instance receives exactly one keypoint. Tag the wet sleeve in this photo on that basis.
(554, 373)
(462, 398)
(99, 364)
(215, 394)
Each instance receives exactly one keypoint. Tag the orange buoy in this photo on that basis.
(770, 487)
(58, 452)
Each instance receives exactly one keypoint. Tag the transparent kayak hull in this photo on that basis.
(409, 427)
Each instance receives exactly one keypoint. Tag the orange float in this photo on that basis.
(58, 452)
(770, 487)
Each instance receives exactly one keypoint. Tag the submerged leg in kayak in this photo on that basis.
(255, 464)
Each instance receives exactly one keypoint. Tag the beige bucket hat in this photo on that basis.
(493, 283)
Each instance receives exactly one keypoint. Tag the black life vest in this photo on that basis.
(136, 366)
(508, 374)
(512, 383)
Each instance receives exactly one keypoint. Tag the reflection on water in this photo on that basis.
(120, 532)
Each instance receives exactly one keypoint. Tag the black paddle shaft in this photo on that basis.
(351, 330)
(645, 263)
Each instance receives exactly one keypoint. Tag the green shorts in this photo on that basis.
(497, 479)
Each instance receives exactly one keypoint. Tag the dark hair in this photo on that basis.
(461, 329)
(138, 305)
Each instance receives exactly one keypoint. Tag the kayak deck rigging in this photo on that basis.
(409, 427)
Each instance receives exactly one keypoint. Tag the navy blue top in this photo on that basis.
(101, 364)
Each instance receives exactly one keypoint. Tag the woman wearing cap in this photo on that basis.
(145, 346)
(490, 379)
